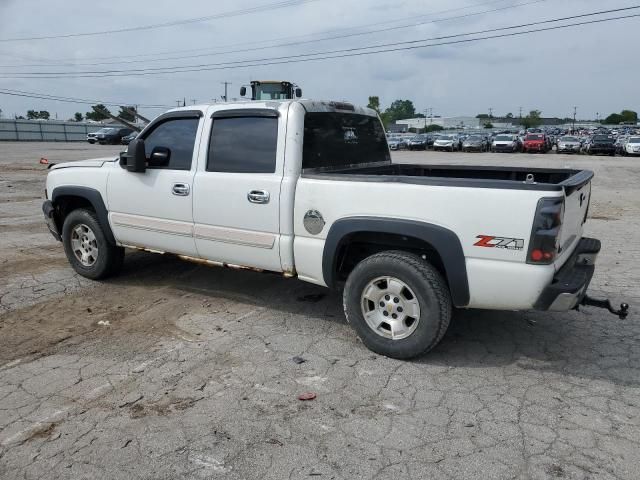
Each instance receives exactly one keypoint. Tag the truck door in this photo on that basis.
(153, 209)
(236, 203)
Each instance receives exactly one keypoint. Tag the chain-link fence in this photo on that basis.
(47, 131)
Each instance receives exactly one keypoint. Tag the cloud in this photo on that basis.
(550, 71)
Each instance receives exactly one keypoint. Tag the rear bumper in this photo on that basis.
(570, 283)
(49, 212)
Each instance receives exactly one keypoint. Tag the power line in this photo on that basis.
(44, 96)
(264, 47)
(233, 13)
(341, 53)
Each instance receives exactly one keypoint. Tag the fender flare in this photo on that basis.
(94, 197)
(443, 240)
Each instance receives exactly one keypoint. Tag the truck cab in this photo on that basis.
(272, 90)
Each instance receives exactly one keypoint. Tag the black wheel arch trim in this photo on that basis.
(94, 197)
(443, 240)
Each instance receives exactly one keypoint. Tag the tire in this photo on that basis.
(423, 285)
(101, 258)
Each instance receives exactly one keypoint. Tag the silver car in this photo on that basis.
(449, 143)
(568, 144)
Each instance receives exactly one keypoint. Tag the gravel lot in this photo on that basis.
(174, 370)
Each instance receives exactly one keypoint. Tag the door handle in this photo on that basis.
(180, 189)
(258, 196)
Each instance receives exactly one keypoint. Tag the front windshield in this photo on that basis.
(569, 139)
(271, 91)
(446, 137)
(504, 138)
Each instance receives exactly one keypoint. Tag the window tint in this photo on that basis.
(340, 139)
(177, 135)
(243, 145)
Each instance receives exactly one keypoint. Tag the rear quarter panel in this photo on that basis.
(498, 278)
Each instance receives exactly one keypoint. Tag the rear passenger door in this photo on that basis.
(236, 201)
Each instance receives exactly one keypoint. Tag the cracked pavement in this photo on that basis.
(175, 370)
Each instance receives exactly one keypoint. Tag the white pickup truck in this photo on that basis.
(308, 189)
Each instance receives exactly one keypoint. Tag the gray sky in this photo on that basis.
(593, 67)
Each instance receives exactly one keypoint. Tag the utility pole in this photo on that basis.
(426, 112)
(490, 112)
(178, 102)
(194, 100)
(575, 111)
(226, 84)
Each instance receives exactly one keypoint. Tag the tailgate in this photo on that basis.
(577, 191)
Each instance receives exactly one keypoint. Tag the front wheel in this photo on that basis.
(87, 248)
(398, 303)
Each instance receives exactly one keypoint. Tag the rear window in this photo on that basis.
(534, 137)
(341, 139)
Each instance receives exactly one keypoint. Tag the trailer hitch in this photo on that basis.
(594, 302)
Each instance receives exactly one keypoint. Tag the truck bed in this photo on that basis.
(548, 179)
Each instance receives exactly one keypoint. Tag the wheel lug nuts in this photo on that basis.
(399, 309)
(385, 313)
(387, 297)
(393, 315)
(382, 304)
(396, 300)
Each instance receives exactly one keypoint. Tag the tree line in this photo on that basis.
(98, 113)
(403, 109)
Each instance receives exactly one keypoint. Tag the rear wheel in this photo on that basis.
(87, 248)
(399, 304)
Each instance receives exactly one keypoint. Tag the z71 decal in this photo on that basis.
(489, 241)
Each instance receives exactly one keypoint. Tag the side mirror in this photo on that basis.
(134, 159)
(243, 91)
(298, 92)
(159, 157)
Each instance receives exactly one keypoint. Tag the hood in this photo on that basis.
(444, 141)
(96, 163)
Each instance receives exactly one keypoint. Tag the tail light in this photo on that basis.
(545, 236)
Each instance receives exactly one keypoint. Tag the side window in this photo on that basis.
(243, 145)
(179, 136)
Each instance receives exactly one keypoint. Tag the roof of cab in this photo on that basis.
(309, 105)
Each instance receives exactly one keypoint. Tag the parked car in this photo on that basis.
(92, 136)
(568, 144)
(419, 142)
(396, 143)
(506, 143)
(475, 143)
(632, 146)
(535, 142)
(127, 139)
(602, 144)
(112, 136)
(450, 143)
(317, 210)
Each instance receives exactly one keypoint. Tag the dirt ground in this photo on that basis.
(174, 370)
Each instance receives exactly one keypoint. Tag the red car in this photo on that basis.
(535, 142)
